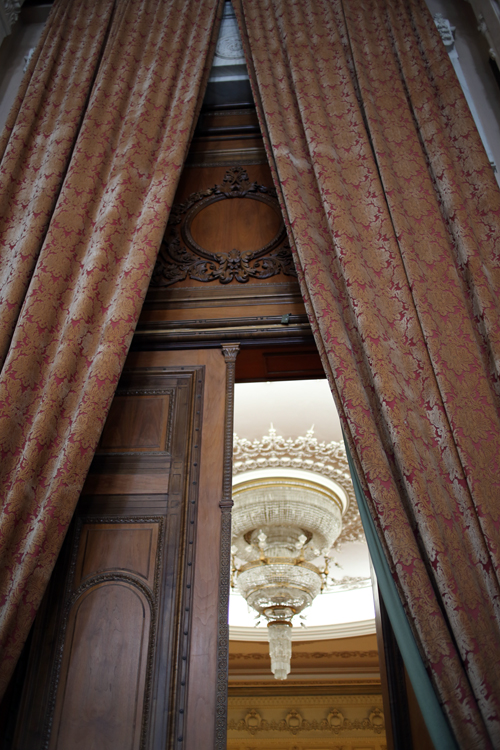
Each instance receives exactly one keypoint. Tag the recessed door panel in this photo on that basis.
(106, 669)
(125, 549)
(136, 423)
(101, 693)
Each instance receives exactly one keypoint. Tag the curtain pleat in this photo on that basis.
(93, 154)
(393, 213)
(432, 712)
(38, 139)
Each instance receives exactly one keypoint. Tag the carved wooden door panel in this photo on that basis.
(110, 660)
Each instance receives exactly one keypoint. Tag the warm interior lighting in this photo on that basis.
(283, 529)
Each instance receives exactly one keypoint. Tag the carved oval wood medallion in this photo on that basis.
(246, 224)
(230, 232)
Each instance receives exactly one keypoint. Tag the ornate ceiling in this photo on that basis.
(299, 454)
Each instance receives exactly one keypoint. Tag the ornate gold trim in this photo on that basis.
(294, 722)
(310, 655)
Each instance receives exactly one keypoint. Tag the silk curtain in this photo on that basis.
(393, 214)
(91, 158)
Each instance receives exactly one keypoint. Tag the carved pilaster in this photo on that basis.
(230, 352)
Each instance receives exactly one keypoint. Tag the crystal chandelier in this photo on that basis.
(284, 524)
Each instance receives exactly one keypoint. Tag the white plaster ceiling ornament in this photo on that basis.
(305, 453)
(229, 59)
(290, 497)
(229, 47)
(12, 10)
(446, 31)
(229, 44)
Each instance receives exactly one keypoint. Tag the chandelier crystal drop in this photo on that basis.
(280, 647)
(284, 524)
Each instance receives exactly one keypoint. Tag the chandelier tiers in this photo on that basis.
(285, 521)
(307, 453)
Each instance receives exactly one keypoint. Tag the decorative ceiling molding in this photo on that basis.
(309, 633)
(257, 656)
(357, 701)
(9, 12)
(305, 453)
(12, 10)
(347, 583)
(488, 16)
(229, 59)
(446, 31)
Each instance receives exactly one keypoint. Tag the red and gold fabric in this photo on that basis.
(91, 159)
(393, 212)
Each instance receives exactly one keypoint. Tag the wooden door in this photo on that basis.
(126, 642)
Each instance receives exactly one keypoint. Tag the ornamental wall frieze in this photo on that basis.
(310, 655)
(308, 454)
(335, 722)
(359, 702)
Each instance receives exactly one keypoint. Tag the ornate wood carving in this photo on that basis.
(187, 569)
(181, 257)
(230, 352)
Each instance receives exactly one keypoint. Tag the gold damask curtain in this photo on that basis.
(393, 213)
(90, 162)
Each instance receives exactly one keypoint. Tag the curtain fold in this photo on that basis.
(393, 214)
(37, 141)
(434, 718)
(92, 155)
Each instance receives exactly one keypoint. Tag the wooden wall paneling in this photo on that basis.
(266, 291)
(226, 137)
(101, 691)
(43, 656)
(212, 314)
(228, 232)
(137, 423)
(175, 613)
(273, 362)
(128, 549)
(245, 224)
(105, 656)
(195, 724)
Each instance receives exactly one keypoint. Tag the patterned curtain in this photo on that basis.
(92, 154)
(393, 213)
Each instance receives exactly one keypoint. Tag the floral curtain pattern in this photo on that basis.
(393, 214)
(91, 159)
(38, 139)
